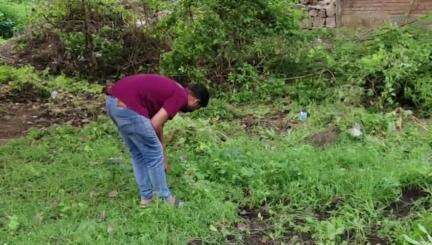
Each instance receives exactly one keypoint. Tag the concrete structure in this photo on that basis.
(332, 13)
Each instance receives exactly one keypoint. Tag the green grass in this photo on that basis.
(14, 15)
(42, 83)
(55, 183)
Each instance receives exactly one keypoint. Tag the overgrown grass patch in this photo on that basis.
(76, 185)
(25, 83)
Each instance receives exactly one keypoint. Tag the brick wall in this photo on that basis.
(373, 12)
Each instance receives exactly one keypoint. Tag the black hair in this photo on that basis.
(182, 79)
(201, 93)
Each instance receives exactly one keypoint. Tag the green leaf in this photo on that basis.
(212, 228)
(410, 240)
(13, 224)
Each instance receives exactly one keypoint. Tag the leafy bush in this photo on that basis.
(391, 65)
(93, 38)
(23, 83)
(6, 26)
(397, 67)
(245, 50)
(13, 16)
(27, 84)
(215, 39)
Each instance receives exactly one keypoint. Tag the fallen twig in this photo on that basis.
(418, 122)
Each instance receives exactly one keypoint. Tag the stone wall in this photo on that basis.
(374, 12)
(322, 13)
(332, 13)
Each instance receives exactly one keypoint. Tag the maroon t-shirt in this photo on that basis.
(148, 93)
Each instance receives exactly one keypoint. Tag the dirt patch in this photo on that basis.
(324, 138)
(410, 194)
(328, 210)
(348, 236)
(374, 239)
(7, 54)
(278, 122)
(76, 111)
(255, 227)
(14, 120)
(17, 118)
(297, 238)
(195, 242)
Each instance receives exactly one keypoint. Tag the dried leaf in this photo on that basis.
(113, 194)
(103, 216)
(242, 226)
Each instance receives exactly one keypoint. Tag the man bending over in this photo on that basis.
(139, 105)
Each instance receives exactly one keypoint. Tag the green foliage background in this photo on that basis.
(259, 62)
(14, 16)
(246, 50)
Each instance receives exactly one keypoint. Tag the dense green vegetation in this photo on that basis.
(14, 15)
(24, 81)
(57, 183)
(250, 170)
(253, 54)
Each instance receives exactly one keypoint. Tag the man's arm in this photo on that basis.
(158, 122)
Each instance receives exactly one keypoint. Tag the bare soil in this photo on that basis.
(256, 227)
(324, 138)
(328, 210)
(401, 207)
(278, 122)
(17, 118)
(374, 239)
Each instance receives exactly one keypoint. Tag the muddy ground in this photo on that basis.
(17, 117)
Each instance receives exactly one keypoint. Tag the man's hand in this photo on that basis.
(167, 167)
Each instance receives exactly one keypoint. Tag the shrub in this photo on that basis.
(387, 68)
(13, 16)
(249, 50)
(93, 38)
(25, 83)
(214, 39)
(397, 67)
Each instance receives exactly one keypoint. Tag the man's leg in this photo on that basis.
(148, 144)
(140, 170)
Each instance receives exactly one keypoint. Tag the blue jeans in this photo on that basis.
(145, 148)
